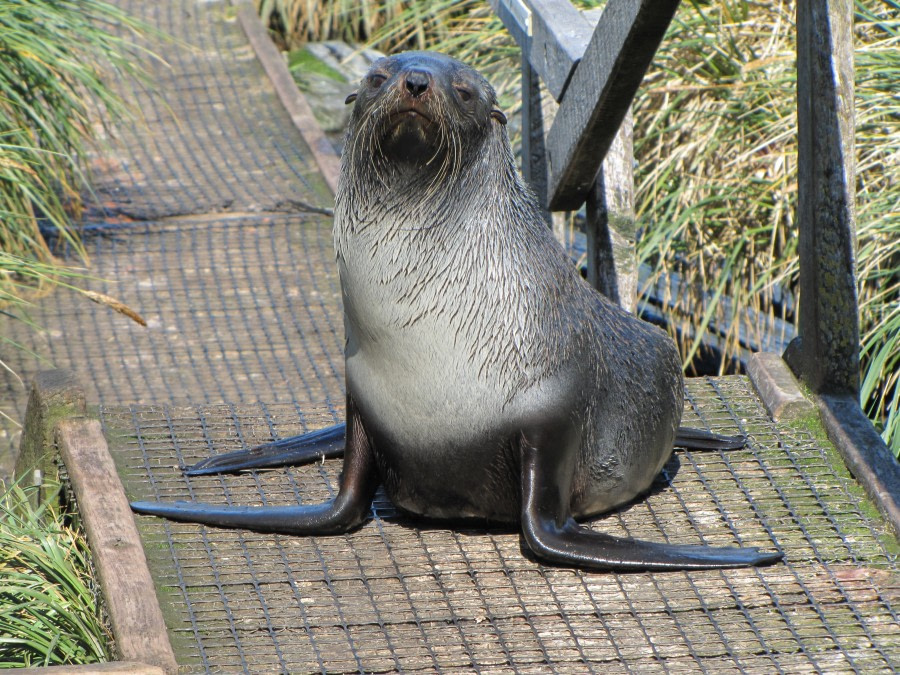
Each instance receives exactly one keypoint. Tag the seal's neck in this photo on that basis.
(444, 192)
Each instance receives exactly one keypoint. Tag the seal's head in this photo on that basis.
(421, 110)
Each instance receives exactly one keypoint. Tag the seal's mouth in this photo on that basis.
(409, 114)
(410, 134)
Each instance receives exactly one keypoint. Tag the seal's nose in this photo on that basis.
(417, 82)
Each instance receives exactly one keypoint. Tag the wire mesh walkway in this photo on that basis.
(197, 232)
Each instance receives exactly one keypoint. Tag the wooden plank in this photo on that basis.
(301, 114)
(534, 155)
(516, 17)
(777, 388)
(610, 224)
(827, 354)
(600, 93)
(552, 35)
(864, 453)
(560, 36)
(134, 612)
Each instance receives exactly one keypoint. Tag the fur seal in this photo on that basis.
(485, 379)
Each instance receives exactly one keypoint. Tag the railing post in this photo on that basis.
(610, 227)
(826, 354)
(534, 154)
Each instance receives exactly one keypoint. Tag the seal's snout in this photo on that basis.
(417, 82)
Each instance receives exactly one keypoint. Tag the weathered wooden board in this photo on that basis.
(552, 35)
(302, 115)
(864, 453)
(827, 357)
(534, 152)
(600, 93)
(134, 611)
(777, 388)
(54, 395)
(111, 668)
(560, 36)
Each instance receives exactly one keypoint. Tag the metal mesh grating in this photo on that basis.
(238, 309)
(397, 595)
(210, 134)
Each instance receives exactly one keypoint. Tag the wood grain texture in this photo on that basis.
(128, 590)
(828, 353)
(552, 35)
(301, 114)
(54, 394)
(534, 154)
(516, 18)
(864, 453)
(560, 36)
(600, 93)
(777, 387)
(609, 223)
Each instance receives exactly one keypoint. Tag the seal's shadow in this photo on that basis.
(387, 512)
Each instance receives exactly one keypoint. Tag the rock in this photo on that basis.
(327, 72)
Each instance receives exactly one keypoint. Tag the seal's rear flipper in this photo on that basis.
(321, 444)
(700, 439)
(553, 535)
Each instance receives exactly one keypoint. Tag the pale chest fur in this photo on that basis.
(438, 322)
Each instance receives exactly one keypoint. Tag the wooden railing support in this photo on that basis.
(534, 151)
(826, 353)
(591, 64)
(599, 95)
(610, 224)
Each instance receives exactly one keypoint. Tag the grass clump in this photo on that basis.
(716, 144)
(54, 55)
(49, 607)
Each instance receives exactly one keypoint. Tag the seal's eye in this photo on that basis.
(464, 94)
(376, 80)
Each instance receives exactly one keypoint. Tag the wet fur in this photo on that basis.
(457, 239)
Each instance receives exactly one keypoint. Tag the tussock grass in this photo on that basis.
(52, 56)
(715, 142)
(49, 610)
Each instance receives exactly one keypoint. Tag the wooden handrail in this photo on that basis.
(593, 67)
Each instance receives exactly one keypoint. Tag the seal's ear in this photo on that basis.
(499, 116)
(350, 98)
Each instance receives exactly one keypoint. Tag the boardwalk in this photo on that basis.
(199, 229)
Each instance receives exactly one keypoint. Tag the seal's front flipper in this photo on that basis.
(700, 439)
(348, 509)
(553, 535)
(334, 517)
(321, 444)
